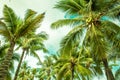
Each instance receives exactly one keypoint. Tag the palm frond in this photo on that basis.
(31, 25)
(62, 71)
(10, 18)
(70, 6)
(114, 10)
(97, 70)
(4, 30)
(71, 40)
(29, 14)
(43, 34)
(16, 57)
(83, 71)
(64, 22)
(112, 33)
(3, 49)
(33, 53)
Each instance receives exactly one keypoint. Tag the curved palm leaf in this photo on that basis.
(71, 40)
(64, 22)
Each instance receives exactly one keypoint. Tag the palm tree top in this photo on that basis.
(83, 6)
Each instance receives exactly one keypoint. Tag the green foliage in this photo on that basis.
(47, 70)
(71, 40)
(100, 37)
(26, 72)
(3, 50)
(10, 18)
(117, 74)
(30, 25)
(13, 28)
(65, 22)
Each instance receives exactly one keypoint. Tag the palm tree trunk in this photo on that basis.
(108, 71)
(4, 66)
(19, 65)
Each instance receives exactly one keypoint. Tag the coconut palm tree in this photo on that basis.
(13, 28)
(30, 44)
(74, 65)
(90, 27)
(47, 70)
(26, 72)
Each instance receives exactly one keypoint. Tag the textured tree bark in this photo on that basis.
(19, 65)
(108, 71)
(4, 66)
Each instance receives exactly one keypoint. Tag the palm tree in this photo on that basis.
(30, 44)
(90, 27)
(74, 65)
(47, 70)
(26, 72)
(13, 28)
(15, 57)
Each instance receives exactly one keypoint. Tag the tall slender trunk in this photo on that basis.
(108, 71)
(4, 66)
(19, 65)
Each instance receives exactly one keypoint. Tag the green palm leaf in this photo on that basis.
(83, 71)
(4, 30)
(62, 70)
(29, 14)
(10, 18)
(70, 6)
(71, 40)
(30, 25)
(64, 22)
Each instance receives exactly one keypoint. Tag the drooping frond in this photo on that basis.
(83, 72)
(43, 35)
(16, 57)
(34, 54)
(102, 47)
(4, 30)
(112, 33)
(62, 71)
(71, 40)
(64, 22)
(3, 49)
(114, 10)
